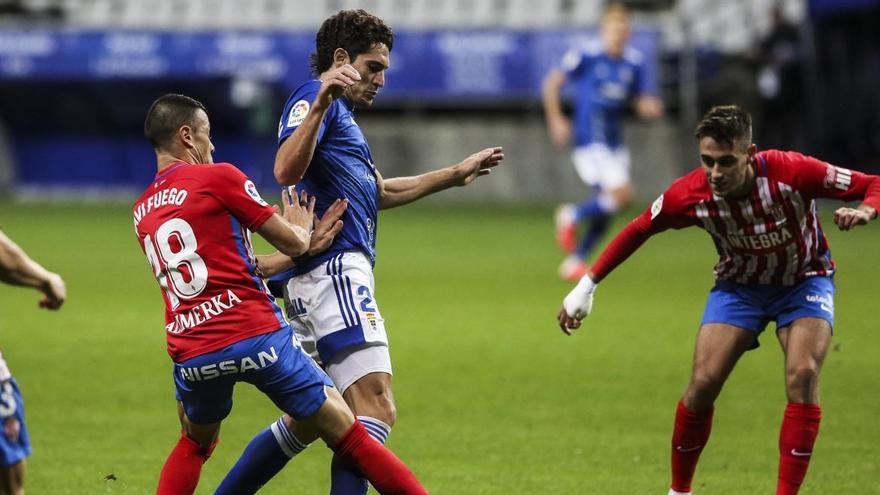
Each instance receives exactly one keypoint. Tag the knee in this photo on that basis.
(702, 392)
(383, 409)
(372, 396)
(802, 383)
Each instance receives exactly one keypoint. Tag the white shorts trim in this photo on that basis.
(599, 165)
(348, 367)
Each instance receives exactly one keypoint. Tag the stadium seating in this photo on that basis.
(704, 22)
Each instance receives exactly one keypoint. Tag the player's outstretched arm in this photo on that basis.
(17, 268)
(295, 153)
(579, 302)
(326, 229)
(402, 190)
(823, 180)
(291, 231)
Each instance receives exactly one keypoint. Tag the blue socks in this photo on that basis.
(597, 210)
(588, 209)
(598, 226)
(273, 447)
(262, 459)
(345, 479)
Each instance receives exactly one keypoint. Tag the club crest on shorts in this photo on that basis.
(371, 319)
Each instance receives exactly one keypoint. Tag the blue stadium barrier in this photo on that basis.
(456, 67)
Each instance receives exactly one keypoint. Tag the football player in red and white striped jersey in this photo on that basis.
(775, 265)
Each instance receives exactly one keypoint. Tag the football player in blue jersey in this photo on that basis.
(606, 76)
(17, 268)
(330, 297)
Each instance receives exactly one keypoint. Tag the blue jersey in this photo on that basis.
(603, 86)
(341, 167)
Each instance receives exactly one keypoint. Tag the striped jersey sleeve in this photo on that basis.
(819, 179)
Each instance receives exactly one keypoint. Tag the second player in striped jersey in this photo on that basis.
(775, 265)
(771, 235)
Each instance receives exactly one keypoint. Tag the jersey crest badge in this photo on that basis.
(656, 207)
(251, 190)
(298, 113)
(778, 212)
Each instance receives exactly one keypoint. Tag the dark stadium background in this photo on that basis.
(76, 76)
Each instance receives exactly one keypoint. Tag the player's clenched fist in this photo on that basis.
(335, 82)
(847, 218)
(54, 292)
(576, 305)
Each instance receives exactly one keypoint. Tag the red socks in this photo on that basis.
(689, 437)
(800, 425)
(388, 474)
(182, 469)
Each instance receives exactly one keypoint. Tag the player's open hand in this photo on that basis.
(327, 227)
(480, 163)
(335, 82)
(299, 211)
(847, 218)
(54, 292)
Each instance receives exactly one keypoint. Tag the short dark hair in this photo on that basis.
(355, 31)
(615, 7)
(727, 124)
(167, 114)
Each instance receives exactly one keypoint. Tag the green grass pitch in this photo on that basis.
(492, 398)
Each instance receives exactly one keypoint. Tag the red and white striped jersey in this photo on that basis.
(772, 236)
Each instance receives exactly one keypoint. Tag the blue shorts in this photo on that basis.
(270, 361)
(12, 405)
(753, 306)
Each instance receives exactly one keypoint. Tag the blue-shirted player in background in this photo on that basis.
(330, 298)
(17, 268)
(606, 76)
